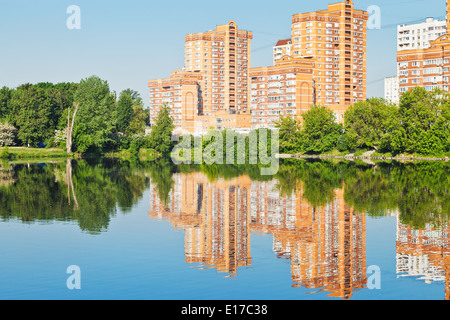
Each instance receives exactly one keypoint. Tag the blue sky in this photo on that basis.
(130, 42)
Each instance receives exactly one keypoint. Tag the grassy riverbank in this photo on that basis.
(366, 155)
(17, 153)
(147, 154)
(31, 153)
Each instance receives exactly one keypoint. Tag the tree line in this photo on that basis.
(37, 115)
(419, 124)
(40, 114)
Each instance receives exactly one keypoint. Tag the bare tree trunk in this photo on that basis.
(70, 127)
(68, 139)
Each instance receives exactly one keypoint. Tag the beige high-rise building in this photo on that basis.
(182, 92)
(212, 90)
(222, 57)
(329, 46)
(336, 38)
(286, 89)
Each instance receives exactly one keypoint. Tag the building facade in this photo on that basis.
(281, 49)
(419, 35)
(327, 52)
(182, 93)
(426, 67)
(222, 56)
(212, 90)
(391, 90)
(336, 38)
(286, 89)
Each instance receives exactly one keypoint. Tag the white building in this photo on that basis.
(282, 48)
(391, 90)
(418, 36)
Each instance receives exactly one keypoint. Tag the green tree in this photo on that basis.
(290, 134)
(425, 121)
(124, 111)
(32, 109)
(320, 131)
(135, 96)
(393, 138)
(365, 123)
(5, 96)
(94, 124)
(161, 133)
(138, 120)
(36, 110)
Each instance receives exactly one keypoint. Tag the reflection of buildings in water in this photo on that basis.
(214, 216)
(325, 245)
(424, 254)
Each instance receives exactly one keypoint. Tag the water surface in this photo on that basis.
(144, 230)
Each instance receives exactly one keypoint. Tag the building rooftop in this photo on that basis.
(283, 42)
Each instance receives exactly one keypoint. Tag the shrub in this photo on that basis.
(7, 134)
(5, 154)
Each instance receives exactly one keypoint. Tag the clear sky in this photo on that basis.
(130, 42)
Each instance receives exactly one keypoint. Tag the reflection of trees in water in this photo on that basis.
(69, 177)
(88, 193)
(318, 179)
(419, 191)
(35, 195)
(161, 173)
(6, 175)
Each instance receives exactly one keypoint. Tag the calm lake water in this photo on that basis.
(153, 231)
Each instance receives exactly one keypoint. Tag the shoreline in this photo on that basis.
(22, 153)
(349, 157)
